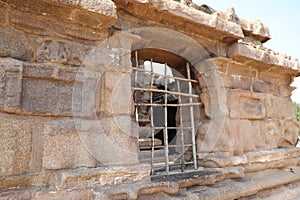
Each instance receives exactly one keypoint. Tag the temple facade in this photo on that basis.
(143, 99)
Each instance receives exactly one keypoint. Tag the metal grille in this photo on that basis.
(164, 110)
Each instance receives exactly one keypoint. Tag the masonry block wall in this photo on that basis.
(56, 84)
(66, 105)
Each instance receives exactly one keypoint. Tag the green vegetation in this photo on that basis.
(297, 111)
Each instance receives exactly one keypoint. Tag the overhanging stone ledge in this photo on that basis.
(175, 14)
(104, 7)
(258, 55)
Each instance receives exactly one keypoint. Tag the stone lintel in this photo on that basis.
(175, 14)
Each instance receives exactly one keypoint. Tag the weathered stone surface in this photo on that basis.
(252, 184)
(280, 107)
(286, 91)
(37, 180)
(15, 145)
(287, 192)
(246, 105)
(276, 133)
(47, 97)
(241, 104)
(265, 87)
(239, 69)
(275, 76)
(85, 95)
(254, 160)
(104, 176)
(15, 44)
(246, 53)
(236, 82)
(53, 25)
(75, 19)
(3, 14)
(105, 7)
(51, 71)
(65, 150)
(182, 14)
(238, 136)
(10, 84)
(221, 159)
(27, 193)
(167, 186)
(115, 85)
(112, 141)
(256, 29)
(83, 194)
(235, 138)
(60, 51)
(106, 141)
(276, 164)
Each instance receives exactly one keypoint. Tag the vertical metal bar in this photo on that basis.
(151, 117)
(192, 117)
(166, 123)
(181, 128)
(135, 84)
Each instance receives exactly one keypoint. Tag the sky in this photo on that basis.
(280, 16)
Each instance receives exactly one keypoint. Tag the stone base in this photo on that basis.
(80, 178)
(254, 161)
(218, 184)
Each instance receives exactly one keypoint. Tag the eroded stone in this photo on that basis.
(15, 145)
(15, 44)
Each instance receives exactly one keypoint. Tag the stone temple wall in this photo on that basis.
(66, 105)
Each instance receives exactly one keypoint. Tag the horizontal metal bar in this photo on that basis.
(165, 91)
(161, 127)
(161, 146)
(170, 105)
(165, 76)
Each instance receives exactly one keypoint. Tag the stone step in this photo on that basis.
(252, 184)
(159, 157)
(144, 131)
(147, 142)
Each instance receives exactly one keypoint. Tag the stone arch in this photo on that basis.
(187, 48)
(126, 42)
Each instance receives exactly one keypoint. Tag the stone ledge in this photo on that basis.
(80, 178)
(169, 184)
(37, 180)
(252, 55)
(254, 161)
(64, 18)
(104, 7)
(103, 176)
(251, 184)
(175, 14)
(287, 192)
